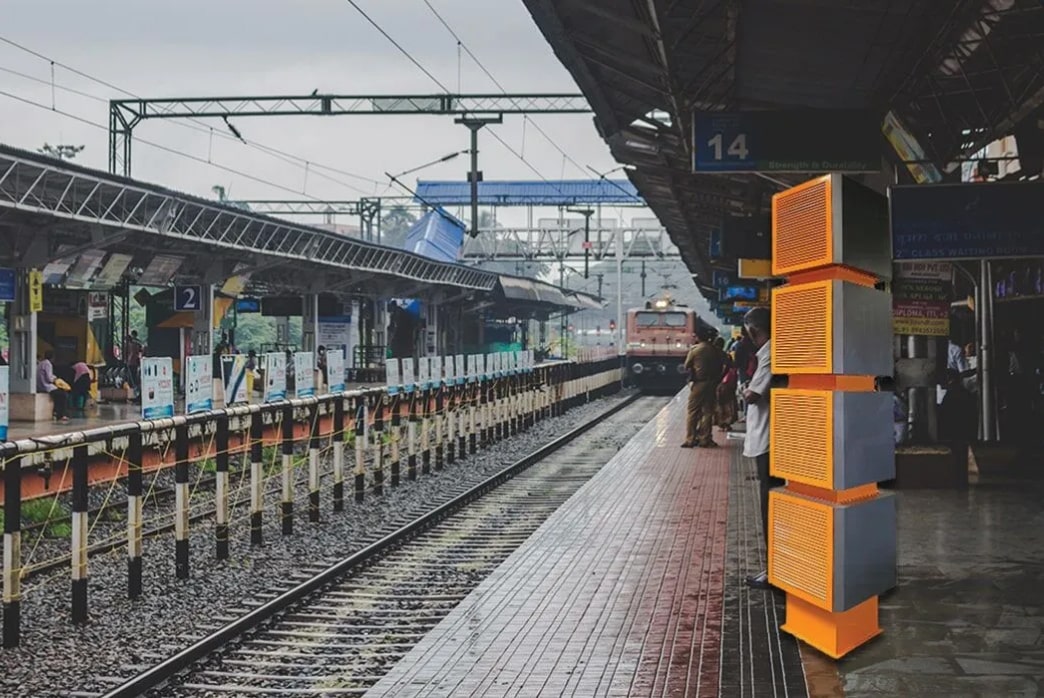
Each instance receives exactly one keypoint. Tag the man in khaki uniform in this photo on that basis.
(704, 364)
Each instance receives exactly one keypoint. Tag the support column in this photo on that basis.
(134, 514)
(12, 551)
(831, 532)
(361, 432)
(257, 478)
(338, 454)
(221, 487)
(313, 464)
(287, 503)
(79, 535)
(181, 501)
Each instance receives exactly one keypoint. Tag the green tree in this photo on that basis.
(395, 224)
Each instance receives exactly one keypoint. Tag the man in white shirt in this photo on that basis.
(758, 323)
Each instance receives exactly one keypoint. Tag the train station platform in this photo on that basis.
(636, 587)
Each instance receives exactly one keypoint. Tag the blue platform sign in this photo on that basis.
(793, 140)
(721, 278)
(967, 221)
(715, 245)
(188, 298)
(7, 285)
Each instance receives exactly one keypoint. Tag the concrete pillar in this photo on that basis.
(282, 331)
(310, 322)
(25, 404)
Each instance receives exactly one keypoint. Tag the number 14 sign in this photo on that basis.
(721, 142)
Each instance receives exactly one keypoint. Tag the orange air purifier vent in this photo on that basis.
(802, 236)
(802, 436)
(802, 340)
(801, 547)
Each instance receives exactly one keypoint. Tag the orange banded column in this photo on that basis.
(832, 533)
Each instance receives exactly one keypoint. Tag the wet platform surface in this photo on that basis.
(633, 587)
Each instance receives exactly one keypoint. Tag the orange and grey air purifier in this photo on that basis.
(832, 533)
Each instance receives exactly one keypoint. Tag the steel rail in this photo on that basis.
(168, 668)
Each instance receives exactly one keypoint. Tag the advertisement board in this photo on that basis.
(920, 307)
(335, 370)
(5, 396)
(408, 379)
(304, 374)
(458, 368)
(393, 375)
(199, 384)
(233, 373)
(157, 387)
(424, 377)
(275, 376)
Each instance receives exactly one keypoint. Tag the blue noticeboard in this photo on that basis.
(793, 140)
(967, 221)
(7, 285)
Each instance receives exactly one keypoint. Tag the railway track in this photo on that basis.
(339, 630)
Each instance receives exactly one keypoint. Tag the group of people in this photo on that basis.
(717, 379)
(61, 392)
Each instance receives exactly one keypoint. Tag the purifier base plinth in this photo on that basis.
(832, 633)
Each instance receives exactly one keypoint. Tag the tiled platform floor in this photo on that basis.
(633, 587)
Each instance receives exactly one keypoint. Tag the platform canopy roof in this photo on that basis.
(958, 74)
(566, 192)
(53, 211)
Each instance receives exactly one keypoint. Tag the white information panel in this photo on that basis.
(424, 379)
(458, 368)
(335, 370)
(275, 376)
(304, 374)
(393, 376)
(157, 387)
(199, 384)
(408, 379)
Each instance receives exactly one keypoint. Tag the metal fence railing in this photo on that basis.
(109, 490)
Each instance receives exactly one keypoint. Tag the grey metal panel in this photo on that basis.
(864, 443)
(866, 241)
(865, 545)
(862, 330)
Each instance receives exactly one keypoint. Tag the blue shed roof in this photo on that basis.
(437, 235)
(566, 192)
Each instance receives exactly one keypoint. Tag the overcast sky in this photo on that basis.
(241, 47)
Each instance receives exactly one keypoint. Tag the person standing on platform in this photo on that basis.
(758, 325)
(46, 381)
(726, 390)
(81, 386)
(704, 366)
(132, 351)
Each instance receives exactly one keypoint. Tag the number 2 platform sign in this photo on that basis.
(793, 140)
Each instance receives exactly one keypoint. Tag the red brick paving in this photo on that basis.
(619, 593)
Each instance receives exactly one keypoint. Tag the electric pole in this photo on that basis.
(475, 124)
(586, 213)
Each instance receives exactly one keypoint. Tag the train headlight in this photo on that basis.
(637, 369)
(678, 344)
(680, 368)
(660, 368)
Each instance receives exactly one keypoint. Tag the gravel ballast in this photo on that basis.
(57, 658)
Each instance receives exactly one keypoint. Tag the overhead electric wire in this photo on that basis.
(158, 146)
(192, 123)
(482, 67)
(397, 45)
(438, 82)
